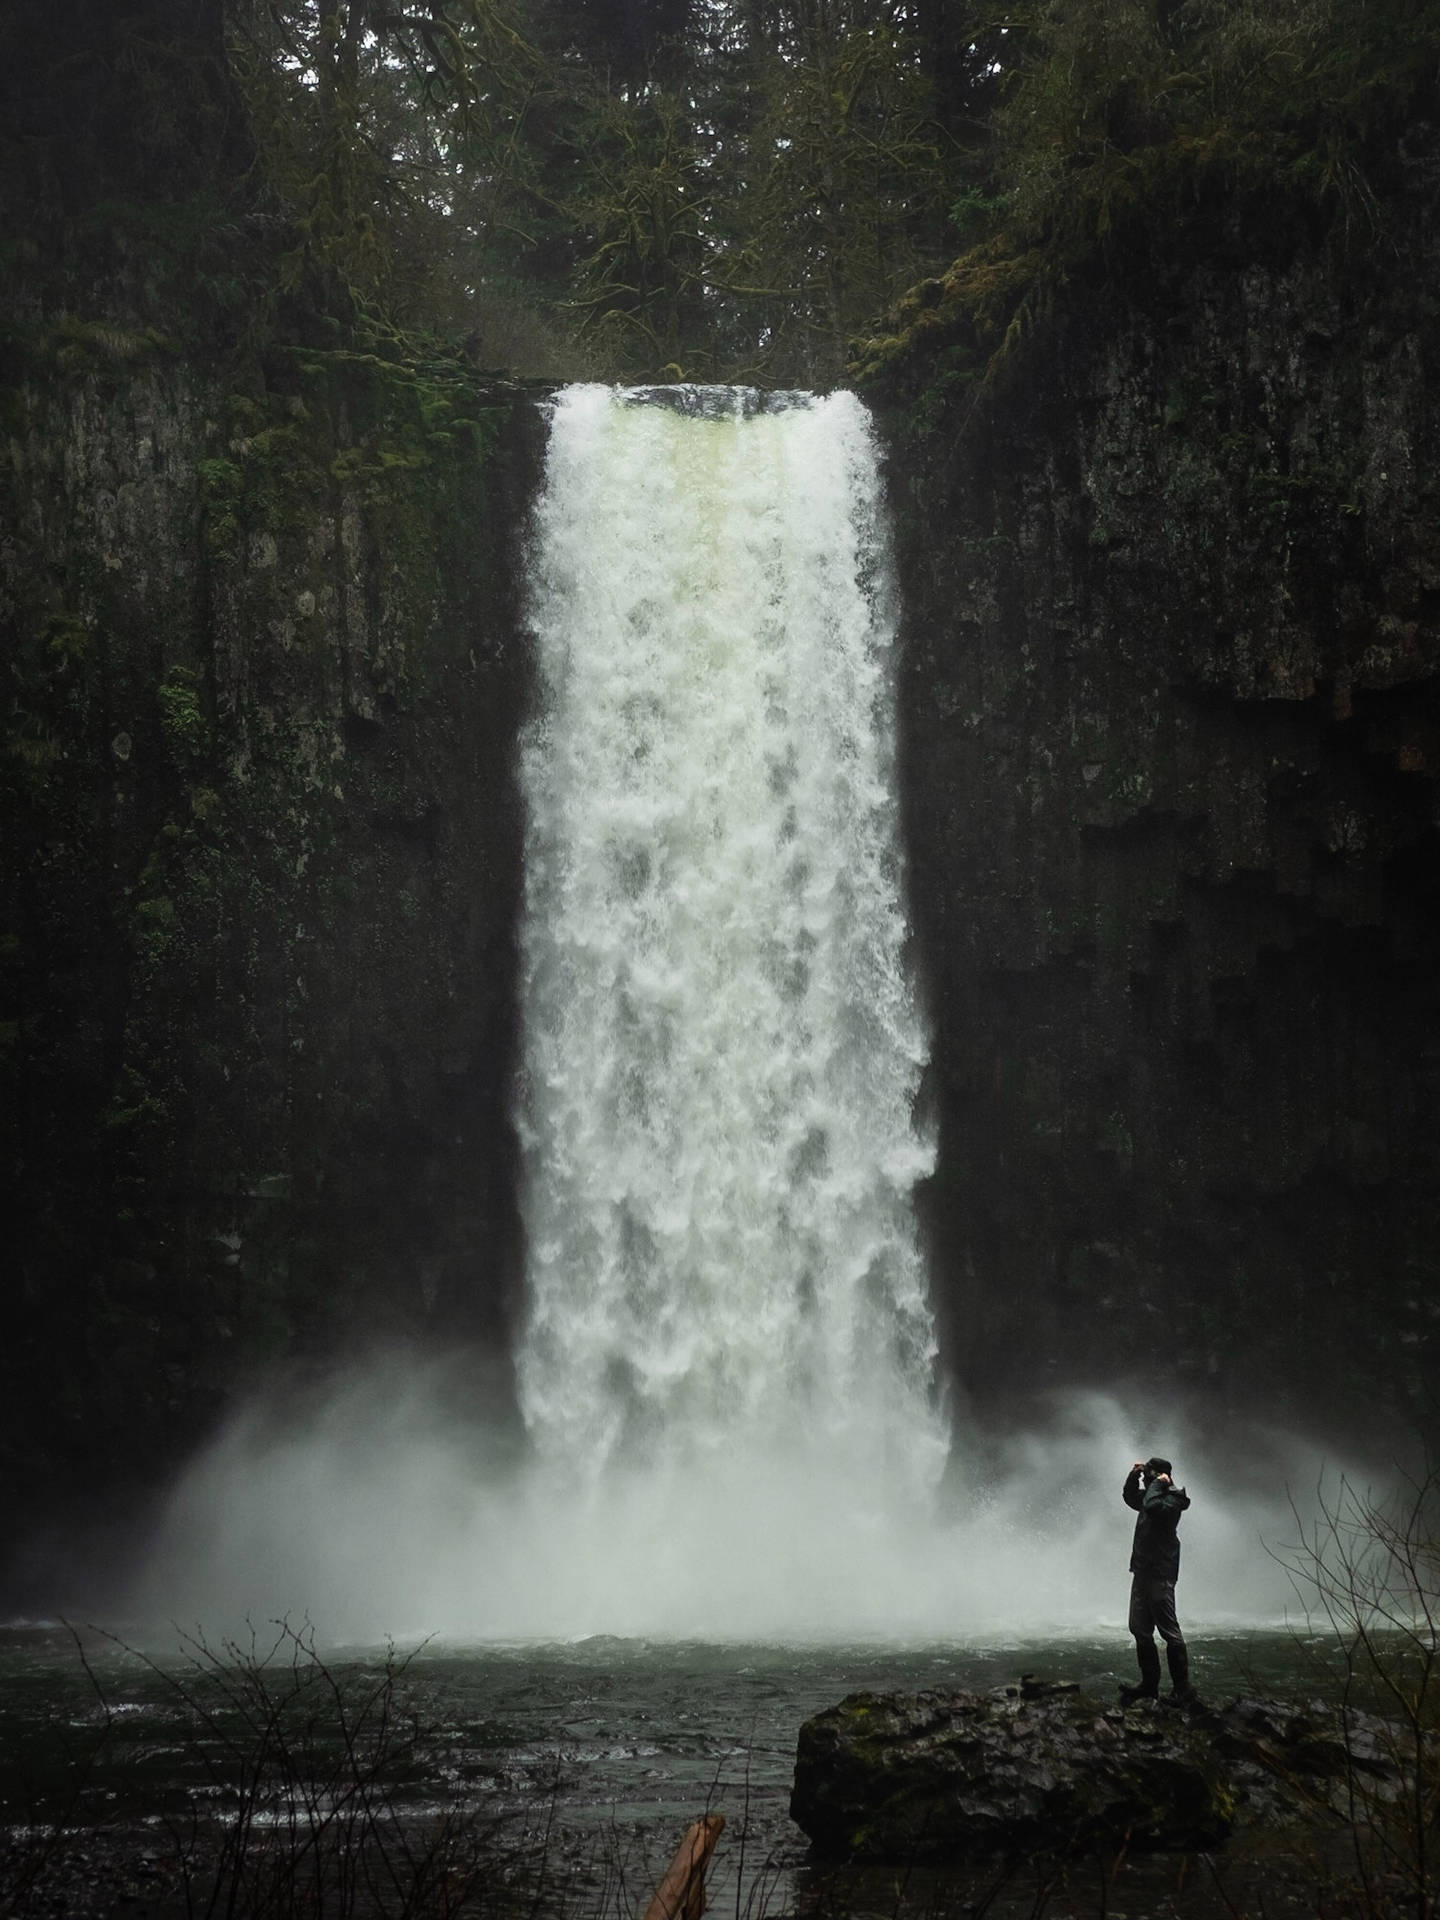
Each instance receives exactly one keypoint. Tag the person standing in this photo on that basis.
(1154, 1568)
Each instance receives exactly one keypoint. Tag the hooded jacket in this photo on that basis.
(1155, 1550)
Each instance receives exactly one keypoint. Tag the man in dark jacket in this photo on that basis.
(1155, 1567)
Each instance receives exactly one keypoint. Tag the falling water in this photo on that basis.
(722, 1045)
(727, 1367)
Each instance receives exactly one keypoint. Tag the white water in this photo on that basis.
(727, 1366)
(722, 1048)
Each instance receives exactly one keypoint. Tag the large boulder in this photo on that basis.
(932, 1776)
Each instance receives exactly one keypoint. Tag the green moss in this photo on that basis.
(222, 490)
(158, 912)
(77, 346)
(182, 720)
(134, 1106)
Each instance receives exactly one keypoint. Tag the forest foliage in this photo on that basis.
(776, 190)
(740, 189)
(643, 187)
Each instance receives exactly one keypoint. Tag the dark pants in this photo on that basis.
(1152, 1611)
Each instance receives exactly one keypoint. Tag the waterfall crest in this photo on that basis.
(722, 1047)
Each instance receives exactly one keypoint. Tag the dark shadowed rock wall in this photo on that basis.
(1172, 742)
(259, 829)
(262, 871)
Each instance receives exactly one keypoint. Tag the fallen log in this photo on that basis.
(681, 1894)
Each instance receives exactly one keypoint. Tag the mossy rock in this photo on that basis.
(928, 1776)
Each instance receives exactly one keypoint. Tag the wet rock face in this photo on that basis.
(925, 1777)
(262, 871)
(1042, 1768)
(1171, 751)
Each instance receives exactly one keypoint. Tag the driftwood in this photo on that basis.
(681, 1894)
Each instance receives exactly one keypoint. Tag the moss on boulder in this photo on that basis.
(1036, 1767)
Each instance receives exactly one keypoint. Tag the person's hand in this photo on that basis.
(1139, 1467)
(1163, 1480)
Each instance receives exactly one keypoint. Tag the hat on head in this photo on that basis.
(1156, 1465)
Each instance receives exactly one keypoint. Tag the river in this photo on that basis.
(594, 1754)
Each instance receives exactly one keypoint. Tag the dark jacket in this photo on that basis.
(1155, 1551)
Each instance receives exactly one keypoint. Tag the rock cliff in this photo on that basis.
(262, 851)
(1171, 748)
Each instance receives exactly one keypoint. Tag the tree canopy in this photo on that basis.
(641, 186)
(731, 189)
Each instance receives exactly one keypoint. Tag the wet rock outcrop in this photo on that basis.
(1046, 1768)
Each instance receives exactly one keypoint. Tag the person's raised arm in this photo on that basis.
(1163, 1496)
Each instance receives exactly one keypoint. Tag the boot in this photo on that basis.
(1149, 1687)
(1177, 1658)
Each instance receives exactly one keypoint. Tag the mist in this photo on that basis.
(378, 1514)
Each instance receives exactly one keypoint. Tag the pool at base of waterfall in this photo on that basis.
(578, 1765)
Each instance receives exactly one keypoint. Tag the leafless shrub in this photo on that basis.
(1367, 1571)
(305, 1807)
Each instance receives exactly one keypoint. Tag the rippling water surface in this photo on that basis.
(604, 1748)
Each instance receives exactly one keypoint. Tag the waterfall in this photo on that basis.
(726, 1367)
(727, 1363)
(722, 1045)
